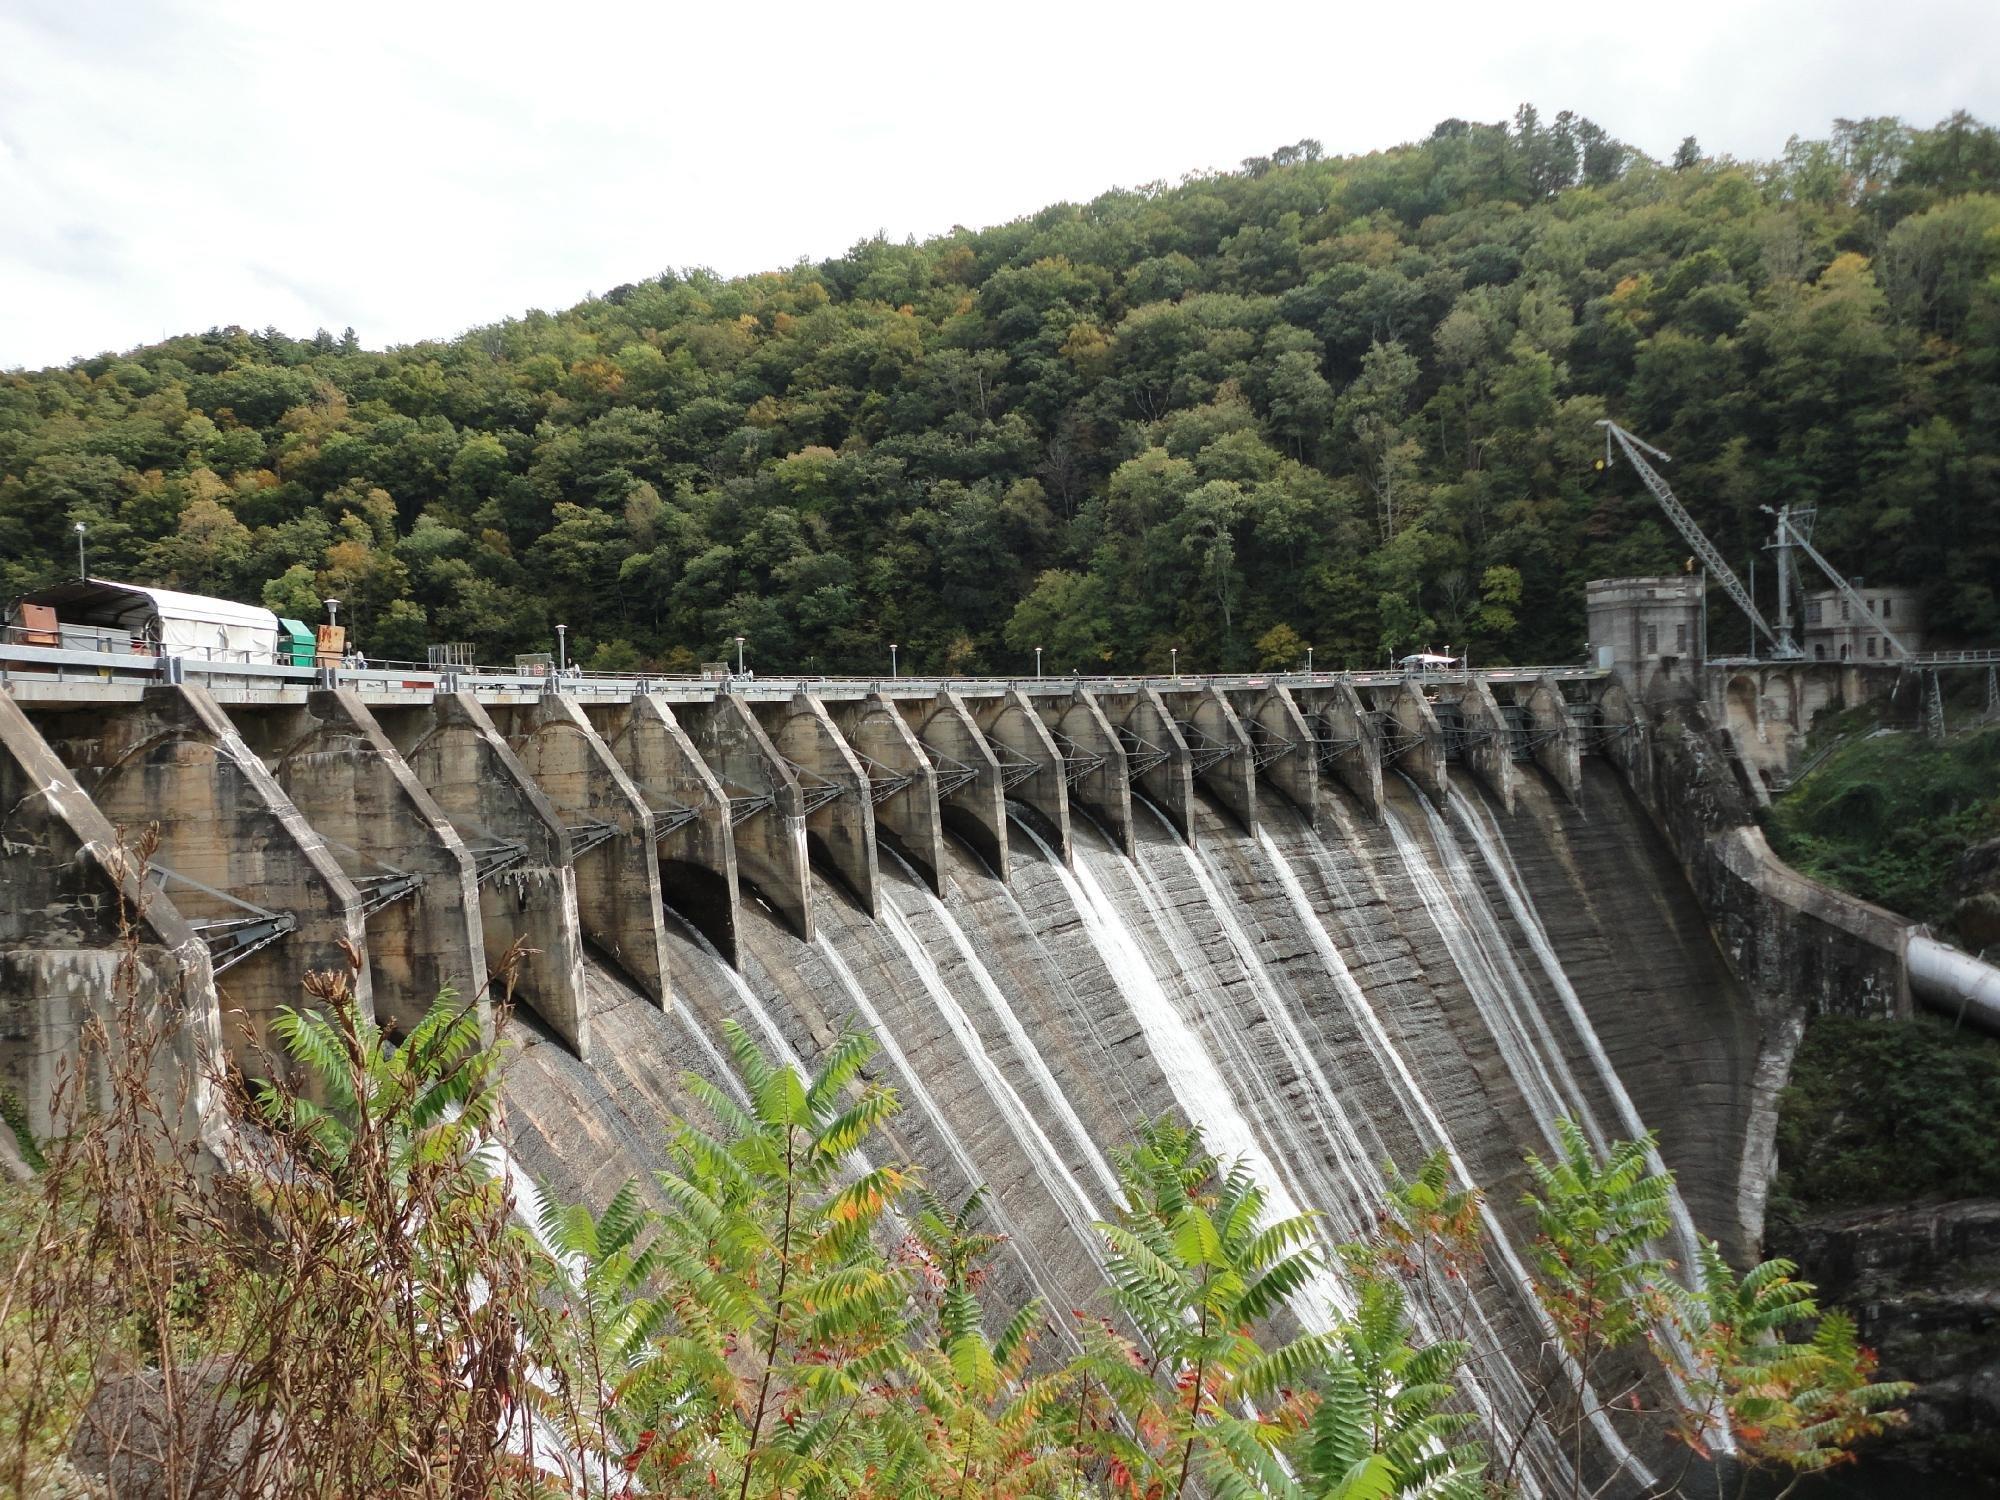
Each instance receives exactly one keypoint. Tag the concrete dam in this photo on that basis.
(1338, 920)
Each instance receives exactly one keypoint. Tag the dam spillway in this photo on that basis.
(1336, 922)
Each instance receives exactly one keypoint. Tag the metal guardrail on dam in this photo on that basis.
(27, 670)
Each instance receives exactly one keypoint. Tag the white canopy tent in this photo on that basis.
(172, 623)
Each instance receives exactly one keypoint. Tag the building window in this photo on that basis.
(1819, 653)
(1652, 640)
(1888, 606)
(1812, 613)
(1871, 645)
(1843, 609)
(1681, 639)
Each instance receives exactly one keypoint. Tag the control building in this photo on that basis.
(1836, 631)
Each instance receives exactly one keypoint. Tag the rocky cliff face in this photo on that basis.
(1923, 1282)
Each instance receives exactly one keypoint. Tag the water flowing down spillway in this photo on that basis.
(1319, 998)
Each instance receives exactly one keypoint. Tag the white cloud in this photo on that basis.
(412, 169)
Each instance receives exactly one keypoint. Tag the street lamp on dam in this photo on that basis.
(892, 659)
(1038, 663)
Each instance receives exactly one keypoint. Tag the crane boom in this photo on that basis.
(1677, 513)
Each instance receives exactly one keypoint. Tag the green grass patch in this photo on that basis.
(1887, 1111)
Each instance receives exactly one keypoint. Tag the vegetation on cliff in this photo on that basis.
(1892, 818)
(348, 1302)
(1345, 402)
(1880, 1113)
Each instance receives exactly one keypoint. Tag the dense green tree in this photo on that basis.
(1352, 396)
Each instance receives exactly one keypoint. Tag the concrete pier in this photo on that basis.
(697, 846)
(834, 787)
(1552, 733)
(1344, 741)
(417, 882)
(971, 797)
(1156, 756)
(241, 863)
(765, 805)
(1094, 764)
(1485, 741)
(1018, 735)
(1219, 747)
(76, 911)
(611, 832)
(1418, 745)
(519, 846)
(1283, 744)
(901, 782)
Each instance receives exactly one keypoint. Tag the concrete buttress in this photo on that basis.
(834, 785)
(72, 888)
(1485, 742)
(1553, 733)
(902, 783)
(1094, 762)
(611, 834)
(416, 878)
(1283, 744)
(1156, 756)
(765, 805)
(1219, 746)
(1415, 738)
(241, 862)
(972, 799)
(697, 847)
(1016, 732)
(1345, 740)
(519, 847)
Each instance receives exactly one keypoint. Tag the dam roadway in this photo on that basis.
(1337, 920)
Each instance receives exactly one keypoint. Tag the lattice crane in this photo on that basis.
(1635, 450)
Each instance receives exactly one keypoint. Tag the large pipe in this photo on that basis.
(1952, 981)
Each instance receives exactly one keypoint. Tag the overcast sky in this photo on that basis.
(412, 169)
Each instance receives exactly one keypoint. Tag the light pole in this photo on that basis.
(332, 611)
(739, 656)
(1309, 661)
(562, 649)
(892, 659)
(81, 570)
(1038, 663)
(1174, 656)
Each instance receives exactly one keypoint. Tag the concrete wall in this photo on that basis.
(696, 845)
(1487, 749)
(1555, 739)
(174, 760)
(1409, 716)
(767, 810)
(1337, 716)
(76, 910)
(840, 813)
(617, 877)
(1149, 733)
(1010, 721)
(1226, 760)
(467, 767)
(977, 810)
(892, 756)
(1282, 741)
(346, 777)
(1104, 792)
(1794, 941)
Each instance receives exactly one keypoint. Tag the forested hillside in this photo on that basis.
(1345, 402)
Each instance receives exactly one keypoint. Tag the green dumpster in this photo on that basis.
(298, 644)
